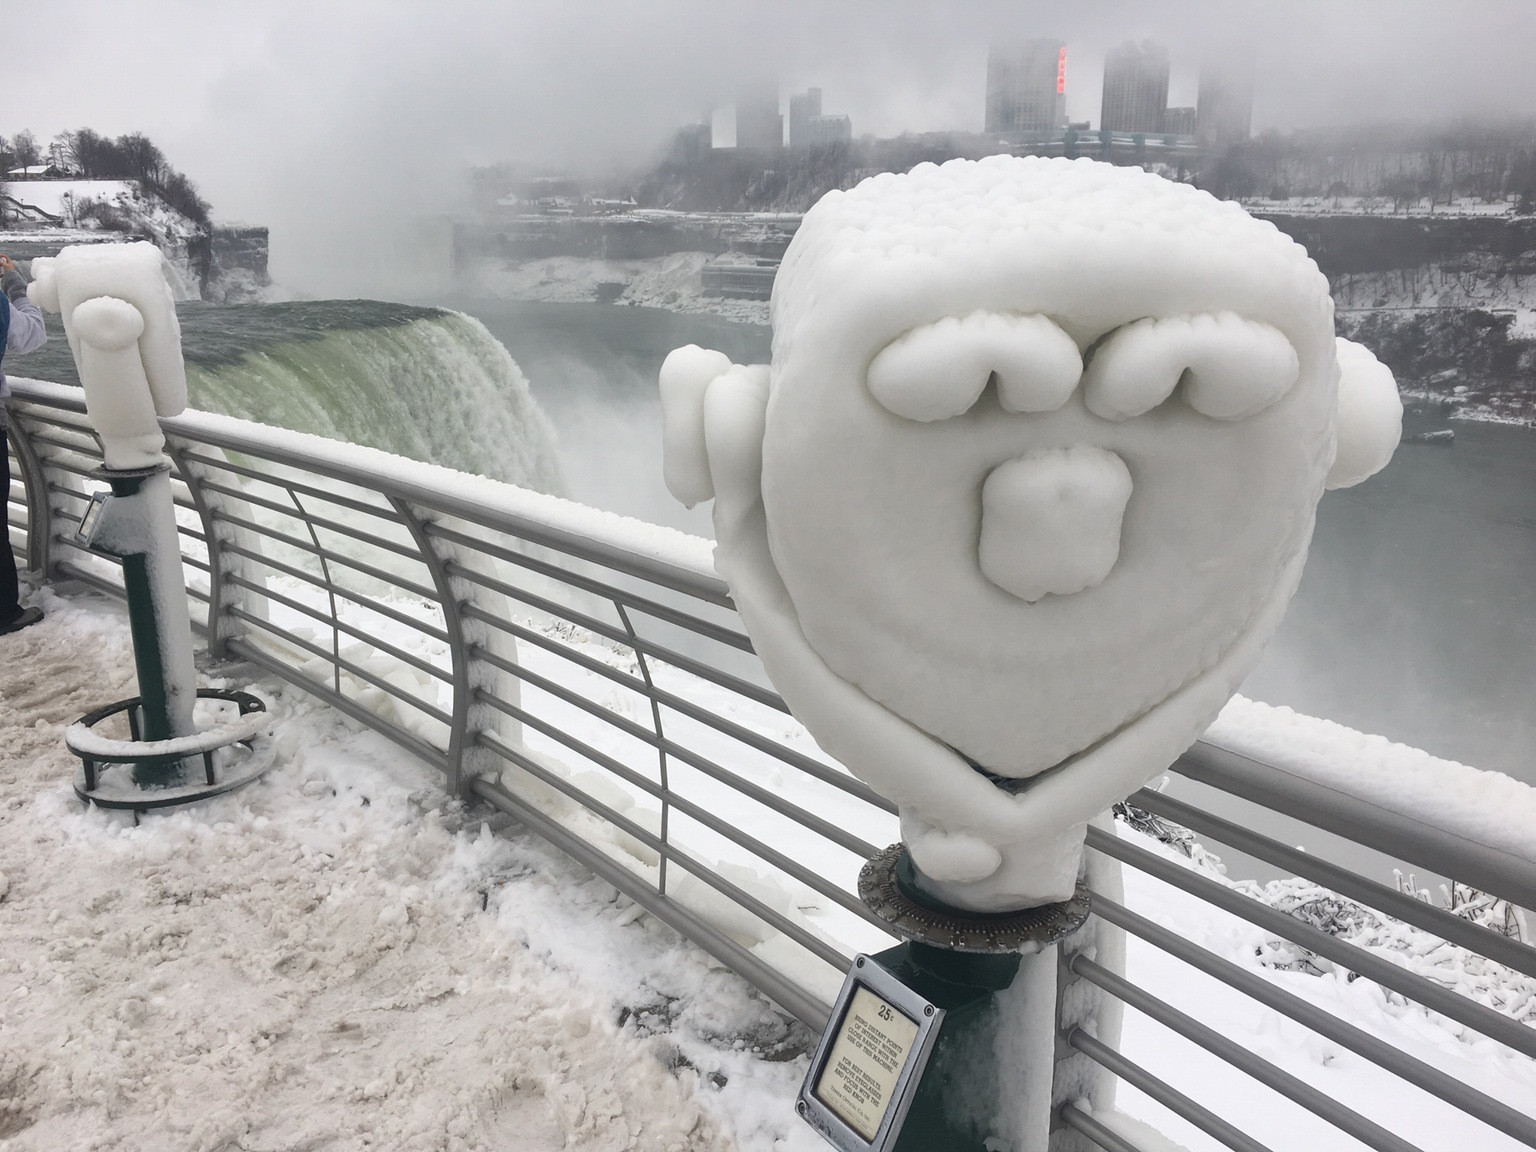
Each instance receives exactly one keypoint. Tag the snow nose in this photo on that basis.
(1050, 521)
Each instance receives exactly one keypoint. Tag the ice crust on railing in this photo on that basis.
(691, 553)
(1484, 807)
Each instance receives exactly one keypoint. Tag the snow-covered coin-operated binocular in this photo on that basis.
(1025, 491)
(120, 318)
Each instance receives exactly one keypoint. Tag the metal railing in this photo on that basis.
(594, 682)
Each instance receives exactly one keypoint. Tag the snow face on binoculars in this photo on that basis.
(1027, 488)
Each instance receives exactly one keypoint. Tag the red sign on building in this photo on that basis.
(1061, 71)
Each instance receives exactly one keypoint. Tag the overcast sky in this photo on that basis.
(335, 120)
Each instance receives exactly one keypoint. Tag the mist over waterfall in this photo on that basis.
(426, 383)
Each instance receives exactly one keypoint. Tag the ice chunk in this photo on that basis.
(1050, 521)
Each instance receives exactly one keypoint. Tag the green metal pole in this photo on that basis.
(156, 720)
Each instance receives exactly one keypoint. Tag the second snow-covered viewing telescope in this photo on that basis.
(120, 319)
(1023, 495)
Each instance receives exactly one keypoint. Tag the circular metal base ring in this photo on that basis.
(93, 784)
(1025, 931)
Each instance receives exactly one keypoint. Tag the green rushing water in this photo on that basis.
(426, 383)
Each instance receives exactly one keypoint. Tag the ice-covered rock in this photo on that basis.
(1027, 487)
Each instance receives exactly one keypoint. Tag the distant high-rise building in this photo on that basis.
(758, 123)
(1224, 105)
(808, 128)
(1135, 88)
(1027, 87)
(828, 130)
(1179, 121)
(803, 107)
(692, 143)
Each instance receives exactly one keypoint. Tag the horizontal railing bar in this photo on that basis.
(1078, 1120)
(365, 603)
(299, 486)
(1425, 1077)
(352, 630)
(378, 574)
(703, 671)
(197, 594)
(194, 562)
(369, 719)
(574, 743)
(320, 521)
(797, 760)
(72, 469)
(848, 840)
(345, 665)
(812, 880)
(69, 542)
(563, 650)
(1170, 1098)
(72, 493)
(776, 920)
(844, 839)
(75, 572)
(1484, 867)
(713, 631)
(1320, 1104)
(192, 533)
(705, 587)
(1400, 905)
(686, 806)
(591, 707)
(792, 997)
(1490, 1023)
(852, 786)
(325, 585)
(92, 449)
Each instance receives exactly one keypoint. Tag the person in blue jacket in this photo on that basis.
(21, 330)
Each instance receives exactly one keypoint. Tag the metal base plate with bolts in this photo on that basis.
(105, 778)
(887, 885)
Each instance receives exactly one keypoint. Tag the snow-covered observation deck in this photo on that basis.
(586, 675)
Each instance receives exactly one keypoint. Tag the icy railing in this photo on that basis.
(587, 674)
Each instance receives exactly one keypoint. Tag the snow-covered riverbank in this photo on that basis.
(669, 282)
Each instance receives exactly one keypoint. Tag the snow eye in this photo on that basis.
(940, 370)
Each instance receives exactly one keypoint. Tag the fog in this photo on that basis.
(342, 125)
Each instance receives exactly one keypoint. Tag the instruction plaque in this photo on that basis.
(869, 1061)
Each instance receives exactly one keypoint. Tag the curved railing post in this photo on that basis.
(661, 742)
(217, 532)
(467, 760)
(39, 510)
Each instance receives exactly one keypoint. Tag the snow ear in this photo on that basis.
(685, 375)
(1370, 420)
(44, 289)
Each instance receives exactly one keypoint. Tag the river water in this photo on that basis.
(1416, 618)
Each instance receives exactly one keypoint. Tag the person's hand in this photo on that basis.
(6, 264)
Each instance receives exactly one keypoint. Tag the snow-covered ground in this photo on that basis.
(58, 197)
(336, 957)
(340, 957)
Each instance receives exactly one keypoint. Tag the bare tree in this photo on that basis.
(25, 149)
